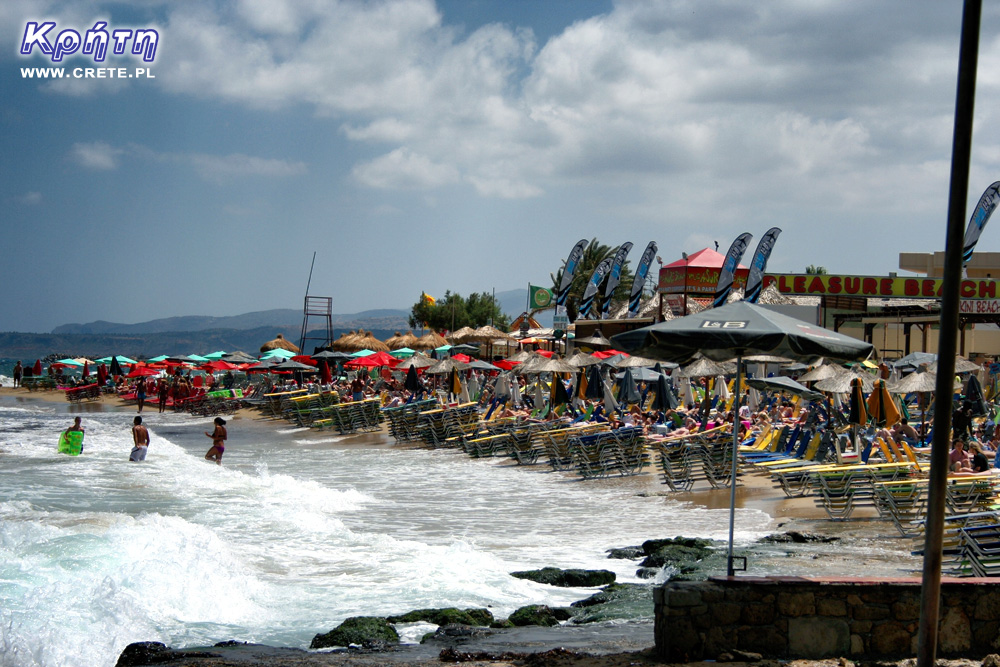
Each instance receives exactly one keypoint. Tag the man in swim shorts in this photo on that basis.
(140, 441)
(75, 428)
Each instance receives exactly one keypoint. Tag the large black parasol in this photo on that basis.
(737, 330)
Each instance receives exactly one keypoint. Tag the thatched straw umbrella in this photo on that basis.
(408, 339)
(393, 342)
(280, 342)
(343, 343)
(418, 360)
(429, 341)
(367, 341)
(461, 336)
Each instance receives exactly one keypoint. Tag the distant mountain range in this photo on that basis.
(196, 334)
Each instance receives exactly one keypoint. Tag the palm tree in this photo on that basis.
(593, 254)
(816, 270)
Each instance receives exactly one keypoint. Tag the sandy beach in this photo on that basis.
(563, 645)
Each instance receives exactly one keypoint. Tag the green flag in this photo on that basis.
(540, 297)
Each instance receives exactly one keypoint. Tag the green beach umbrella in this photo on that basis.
(162, 357)
(215, 355)
(403, 353)
(278, 353)
(362, 353)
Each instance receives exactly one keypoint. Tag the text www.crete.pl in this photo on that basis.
(87, 73)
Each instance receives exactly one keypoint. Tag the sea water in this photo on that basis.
(292, 534)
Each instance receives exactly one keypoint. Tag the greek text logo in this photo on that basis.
(94, 43)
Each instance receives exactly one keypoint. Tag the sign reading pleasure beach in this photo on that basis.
(54, 43)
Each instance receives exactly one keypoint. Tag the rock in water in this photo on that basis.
(555, 576)
(367, 631)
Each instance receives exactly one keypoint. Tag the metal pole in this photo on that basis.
(730, 570)
(930, 594)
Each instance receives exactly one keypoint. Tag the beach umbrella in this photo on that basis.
(857, 413)
(481, 365)
(429, 341)
(412, 382)
(465, 347)
(664, 398)
(463, 388)
(373, 360)
(915, 360)
(703, 367)
(596, 339)
(279, 343)
(962, 365)
(736, 330)
(37, 368)
(464, 358)
(559, 394)
(821, 372)
(325, 375)
(402, 352)
(645, 374)
(289, 365)
(786, 384)
(444, 367)
(582, 359)
(842, 382)
(331, 355)
(595, 385)
(973, 394)
(215, 356)
(143, 371)
(305, 359)
(463, 335)
(278, 353)
(881, 408)
(418, 360)
(539, 396)
(721, 389)
(116, 368)
(610, 404)
(515, 392)
(628, 393)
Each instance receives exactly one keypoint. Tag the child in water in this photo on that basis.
(218, 437)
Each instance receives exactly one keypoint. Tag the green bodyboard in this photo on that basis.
(71, 443)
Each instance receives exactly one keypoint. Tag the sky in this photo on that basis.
(466, 145)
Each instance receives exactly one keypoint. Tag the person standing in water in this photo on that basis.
(140, 441)
(76, 428)
(218, 437)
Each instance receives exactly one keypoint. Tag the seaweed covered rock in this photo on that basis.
(455, 633)
(447, 616)
(626, 553)
(617, 601)
(682, 553)
(367, 631)
(539, 614)
(573, 578)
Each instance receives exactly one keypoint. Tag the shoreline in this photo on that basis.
(613, 646)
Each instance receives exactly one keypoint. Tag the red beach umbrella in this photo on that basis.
(326, 377)
(37, 369)
(86, 369)
(374, 360)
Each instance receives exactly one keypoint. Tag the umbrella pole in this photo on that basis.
(730, 571)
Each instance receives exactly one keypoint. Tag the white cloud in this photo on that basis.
(405, 170)
(235, 166)
(96, 155)
(29, 198)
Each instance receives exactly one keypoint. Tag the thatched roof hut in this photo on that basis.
(408, 339)
(345, 342)
(280, 342)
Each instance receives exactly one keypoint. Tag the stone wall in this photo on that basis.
(795, 617)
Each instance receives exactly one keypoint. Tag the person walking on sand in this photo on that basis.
(140, 441)
(218, 437)
(18, 372)
(140, 393)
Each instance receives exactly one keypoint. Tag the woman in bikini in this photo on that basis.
(218, 437)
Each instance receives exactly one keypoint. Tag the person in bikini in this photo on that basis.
(218, 437)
